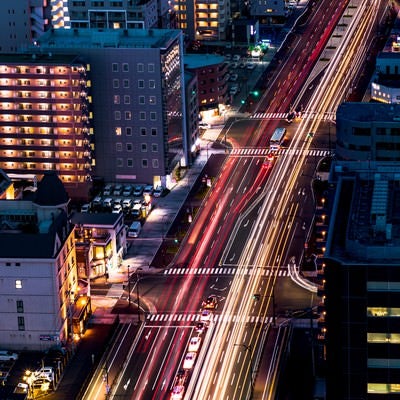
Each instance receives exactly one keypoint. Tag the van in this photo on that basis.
(134, 229)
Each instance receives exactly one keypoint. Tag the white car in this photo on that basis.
(189, 360)
(158, 191)
(194, 344)
(233, 90)
(206, 316)
(204, 125)
(177, 392)
(45, 372)
(6, 355)
(117, 209)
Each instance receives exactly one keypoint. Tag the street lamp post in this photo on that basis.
(257, 296)
(247, 347)
(129, 287)
(137, 295)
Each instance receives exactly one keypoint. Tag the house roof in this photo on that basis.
(51, 191)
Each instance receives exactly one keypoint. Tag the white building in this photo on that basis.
(39, 283)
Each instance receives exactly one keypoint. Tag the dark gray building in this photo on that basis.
(137, 81)
(362, 282)
(368, 131)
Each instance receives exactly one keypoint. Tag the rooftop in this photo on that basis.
(366, 212)
(368, 112)
(108, 38)
(201, 60)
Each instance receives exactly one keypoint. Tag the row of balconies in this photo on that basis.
(78, 170)
(54, 158)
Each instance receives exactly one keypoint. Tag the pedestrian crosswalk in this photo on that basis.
(226, 271)
(263, 152)
(326, 116)
(194, 317)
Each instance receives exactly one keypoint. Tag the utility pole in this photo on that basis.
(129, 287)
(137, 295)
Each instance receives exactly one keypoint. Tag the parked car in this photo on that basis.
(86, 208)
(117, 209)
(127, 204)
(108, 189)
(234, 77)
(108, 203)
(204, 125)
(159, 191)
(6, 355)
(250, 66)
(236, 57)
(117, 190)
(45, 372)
(127, 190)
(233, 90)
(148, 189)
(138, 190)
(42, 383)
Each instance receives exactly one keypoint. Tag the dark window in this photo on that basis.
(361, 131)
(20, 306)
(21, 323)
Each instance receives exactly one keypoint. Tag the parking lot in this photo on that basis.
(134, 201)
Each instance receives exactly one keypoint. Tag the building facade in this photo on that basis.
(137, 86)
(23, 21)
(45, 119)
(212, 79)
(361, 282)
(109, 14)
(100, 242)
(368, 131)
(39, 281)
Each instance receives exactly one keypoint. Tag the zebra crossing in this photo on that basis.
(193, 317)
(282, 272)
(326, 116)
(263, 152)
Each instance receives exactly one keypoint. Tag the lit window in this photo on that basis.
(116, 99)
(18, 284)
(118, 131)
(152, 99)
(128, 115)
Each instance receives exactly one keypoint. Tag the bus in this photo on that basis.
(277, 139)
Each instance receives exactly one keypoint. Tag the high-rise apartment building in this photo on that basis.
(45, 119)
(362, 282)
(139, 108)
(22, 22)
(112, 14)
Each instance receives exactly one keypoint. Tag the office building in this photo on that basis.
(138, 105)
(368, 131)
(39, 282)
(362, 281)
(45, 119)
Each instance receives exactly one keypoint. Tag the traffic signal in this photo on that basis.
(176, 240)
(243, 101)
(256, 93)
(256, 296)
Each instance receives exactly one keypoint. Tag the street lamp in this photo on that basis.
(247, 347)
(137, 294)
